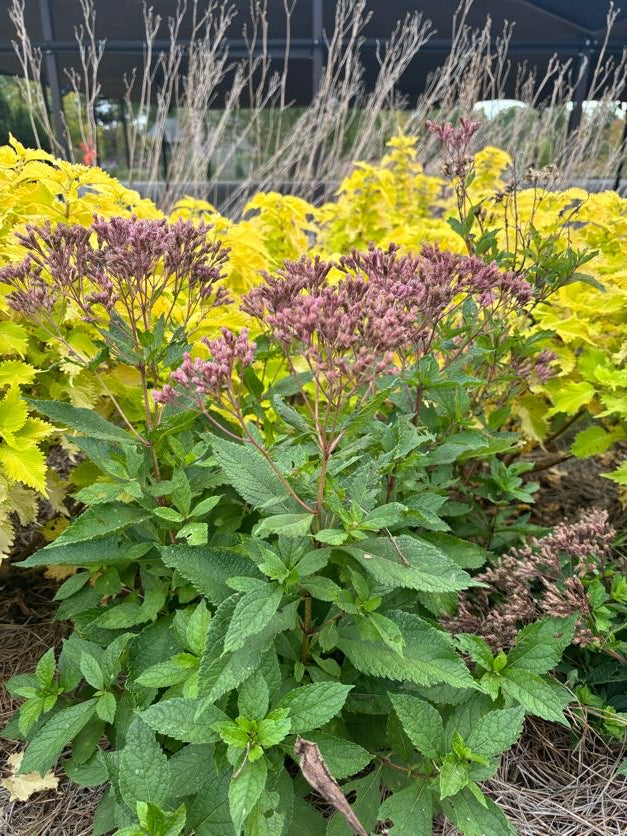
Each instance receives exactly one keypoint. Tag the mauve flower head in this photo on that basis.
(202, 378)
(30, 293)
(456, 144)
(542, 365)
(384, 304)
(122, 263)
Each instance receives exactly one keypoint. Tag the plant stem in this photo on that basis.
(304, 653)
(552, 463)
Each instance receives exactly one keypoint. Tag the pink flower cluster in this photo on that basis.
(455, 140)
(456, 143)
(385, 304)
(119, 260)
(545, 577)
(535, 369)
(210, 377)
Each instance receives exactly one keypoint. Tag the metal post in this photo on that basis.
(581, 91)
(623, 151)
(123, 123)
(52, 77)
(317, 33)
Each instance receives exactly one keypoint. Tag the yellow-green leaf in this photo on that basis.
(13, 415)
(591, 442)
(27, 466)
(569, 397)
(15, 372)
(13, 338)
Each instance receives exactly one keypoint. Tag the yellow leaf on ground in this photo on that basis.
(21, 787)
(60, 573)
(53, 528)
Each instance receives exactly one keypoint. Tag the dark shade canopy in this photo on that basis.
(570, 28)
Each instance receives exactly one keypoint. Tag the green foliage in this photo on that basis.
(258, 576)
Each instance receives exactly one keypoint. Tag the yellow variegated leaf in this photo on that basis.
(614, 404)
(591, 442)
(532, 412)
(33, 431)
(15, 372)
(23, 502)
(7, 535)
(27, 466)
(13, 414)
(619, 475)
(13, 338)
(569, 397)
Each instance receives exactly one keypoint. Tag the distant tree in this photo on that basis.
(15, 119)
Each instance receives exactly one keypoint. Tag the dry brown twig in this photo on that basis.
(305, 151)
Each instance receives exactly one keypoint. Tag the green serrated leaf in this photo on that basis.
(539, 646)
(252, 612)
(144, 774)
(184, 719)
(106, 707)
(428, 656)
(311, 706)
(411, 810)
(342, 757)
(82, 420)
(473, 819)
(207, 568)
(90, 668)
(285, 525)
(54, 735)
(253, 477)
(496, 731)
(110, 551)
(538, 696)
(421, 722)
(453, 776)
(189, 769)
(171, 672)
(411, 563)
(101, 521)
(244, 791)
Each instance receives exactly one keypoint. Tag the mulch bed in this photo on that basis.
(552, 783)
(27, 630)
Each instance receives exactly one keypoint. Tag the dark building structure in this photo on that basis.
(570, 28)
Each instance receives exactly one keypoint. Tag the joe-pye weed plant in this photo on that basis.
(262, 563)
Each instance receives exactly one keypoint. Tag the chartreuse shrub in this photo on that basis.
(36, 188)
(568, 242)
(262, 566)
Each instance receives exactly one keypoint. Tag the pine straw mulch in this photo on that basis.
(27, 630)
(549, 784)
(545, 785)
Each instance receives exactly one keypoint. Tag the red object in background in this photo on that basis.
(90, 155)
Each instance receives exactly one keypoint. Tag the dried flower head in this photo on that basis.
(545, 577)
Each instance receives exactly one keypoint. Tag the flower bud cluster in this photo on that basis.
(202, 378)
(384, 305)
(125, 264)
(456, 143)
